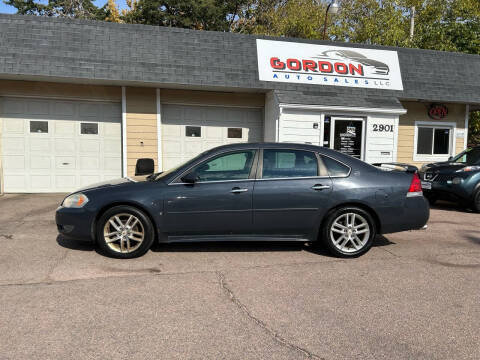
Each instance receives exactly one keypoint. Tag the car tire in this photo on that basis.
(476, 201)
(344, 239)
(124, 232)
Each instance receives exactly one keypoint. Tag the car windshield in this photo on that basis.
(468, 157)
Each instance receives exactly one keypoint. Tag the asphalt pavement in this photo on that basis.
(415, 295)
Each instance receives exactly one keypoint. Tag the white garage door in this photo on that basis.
(189, 130)
(58, 146)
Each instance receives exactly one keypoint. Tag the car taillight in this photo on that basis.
(415, 187)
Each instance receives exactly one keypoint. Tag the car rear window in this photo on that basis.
(334, 167)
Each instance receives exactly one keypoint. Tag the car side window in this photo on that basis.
(231, 166)
(334, 167)
(284, 163)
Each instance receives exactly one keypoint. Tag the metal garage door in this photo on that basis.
(58, 146)
(189, 130)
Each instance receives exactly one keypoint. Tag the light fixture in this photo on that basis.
(333, 8)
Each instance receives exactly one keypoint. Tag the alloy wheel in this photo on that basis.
(123, 233)
(350, 232)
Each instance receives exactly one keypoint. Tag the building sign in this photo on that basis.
(437, 111)
(328, 65)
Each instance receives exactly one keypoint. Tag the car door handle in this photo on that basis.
(320, 187)
(237, 190)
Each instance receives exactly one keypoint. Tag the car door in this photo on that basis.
(219, 202)
(292, 192)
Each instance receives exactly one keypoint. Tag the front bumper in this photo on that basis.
(75, 223)
(448, 191)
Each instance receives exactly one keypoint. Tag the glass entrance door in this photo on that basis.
(347, 136)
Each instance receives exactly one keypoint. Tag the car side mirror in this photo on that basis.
(450, 158)
(144, 167)
(189, 178)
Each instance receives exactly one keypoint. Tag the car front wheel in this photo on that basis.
(124, 232)
(349, 232)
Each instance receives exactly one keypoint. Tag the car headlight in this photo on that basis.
(457, 180)
(469, 168)
(75, 201)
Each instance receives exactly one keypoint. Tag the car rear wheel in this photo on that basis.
(349, 232)
(124, 232)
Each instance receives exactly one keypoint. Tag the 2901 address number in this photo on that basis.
(382, 128)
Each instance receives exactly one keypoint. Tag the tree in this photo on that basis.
(291, 18)
(81, 9)
(191, 14)
(113, 15)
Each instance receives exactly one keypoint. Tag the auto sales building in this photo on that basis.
(81, 101)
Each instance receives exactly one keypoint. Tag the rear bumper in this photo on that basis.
(413, 216)
(75, 223)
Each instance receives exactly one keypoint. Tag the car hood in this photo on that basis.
(114, 182)
(443, 167)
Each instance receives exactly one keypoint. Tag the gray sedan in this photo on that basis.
(249, 192)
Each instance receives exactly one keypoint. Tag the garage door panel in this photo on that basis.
(37, 107)
(64, 146)
(172, 113)
(13, 107)
(89, 110)
(65, 127)
(194, 147)
(14, 182)
(111, 147)
(112, 130)
(237, 116)
(40, 144)
(65, 182)
(63, 108)
(40, 182)
(193, 114)
(13, 126)
(214, 132)
(13, 146)
(112, 164)
(61, 159)
(65, 163)
(213, 114)
(40, 162)
(111, 112)
(13, 162)
(89, 163)
(89, 146)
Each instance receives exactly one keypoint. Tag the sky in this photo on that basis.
(11, 10)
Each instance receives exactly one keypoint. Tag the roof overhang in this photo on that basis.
(348, 109)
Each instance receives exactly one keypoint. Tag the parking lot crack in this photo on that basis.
(274, 334)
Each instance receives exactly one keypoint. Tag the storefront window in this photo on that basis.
(433, 140)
